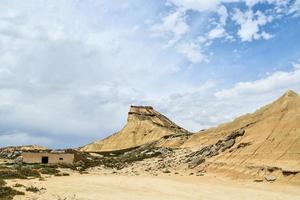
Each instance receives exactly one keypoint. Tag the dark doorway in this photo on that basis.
(45, 159)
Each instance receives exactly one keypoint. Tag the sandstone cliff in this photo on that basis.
(144, 125)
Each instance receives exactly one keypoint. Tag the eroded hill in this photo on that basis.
(144, 125)
(262, 145)
(269, 143)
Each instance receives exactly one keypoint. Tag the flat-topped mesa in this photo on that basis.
(144, 125)
(143, 113)
(141, 110)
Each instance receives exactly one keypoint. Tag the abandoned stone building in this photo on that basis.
(47, 157)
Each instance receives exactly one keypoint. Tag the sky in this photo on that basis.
(70, 69)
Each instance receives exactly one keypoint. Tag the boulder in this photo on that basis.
(197, 161)
(19, 159)
(270, 178)
(228, 144)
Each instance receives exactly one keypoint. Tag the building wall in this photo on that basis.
(53, 158)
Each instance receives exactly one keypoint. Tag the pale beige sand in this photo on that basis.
(116, 187)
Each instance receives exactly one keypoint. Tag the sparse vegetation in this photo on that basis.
(18, 185)
(11, 174)
(18, 173)
(7, 193)
(49, 170)
(2, 182)
(34, 189)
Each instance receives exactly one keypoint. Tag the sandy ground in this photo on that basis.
(117, 187)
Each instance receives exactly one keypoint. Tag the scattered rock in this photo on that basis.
(166, 171)
(19, 160)
(235, 134)
(194, 163)
(243, 145)
(270, 178)
(200, 174)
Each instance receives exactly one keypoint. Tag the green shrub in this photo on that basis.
(49, 171)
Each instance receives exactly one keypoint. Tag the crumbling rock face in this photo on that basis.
(148, 113)
(198, 157)
(144, 126)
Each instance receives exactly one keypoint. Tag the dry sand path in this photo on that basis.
(113, 187)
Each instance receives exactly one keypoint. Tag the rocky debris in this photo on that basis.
(235, 134)
(195, 162)
(287, 172)
(9, 154)
(259, 180)
(166, 171)
(270, 178)
(198, 157)
(19, 160)
(122, 160)
(243, 145)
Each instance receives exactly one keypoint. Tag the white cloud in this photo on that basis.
(217, 32)
(252, 3)
(295, 8)
(277, 81)
(266, 36)
(250, 24)
(199, 5)
(76, 73)
(173, 27)
(192, 51)
(222, 11)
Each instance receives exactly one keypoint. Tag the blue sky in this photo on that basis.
(69, 70)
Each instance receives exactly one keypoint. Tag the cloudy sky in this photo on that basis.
(70, 69)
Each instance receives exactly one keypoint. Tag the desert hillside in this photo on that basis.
(265, 143)
(144, 125)
(267, 140)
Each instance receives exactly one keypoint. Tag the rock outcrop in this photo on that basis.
(198, 157)
(144, 126)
